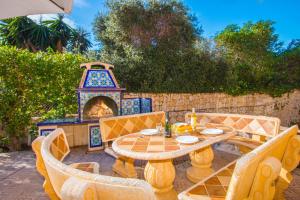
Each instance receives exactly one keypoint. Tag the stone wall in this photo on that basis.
(286, 107)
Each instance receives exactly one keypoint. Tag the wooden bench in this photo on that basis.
(114, 127)
(60, 149)
(66, 182)
(263, 173)
(253, 130)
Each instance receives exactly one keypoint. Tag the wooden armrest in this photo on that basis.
(283, 128)
(77, 189)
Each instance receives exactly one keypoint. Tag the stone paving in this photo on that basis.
(20, 181)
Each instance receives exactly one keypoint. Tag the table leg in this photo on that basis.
(125, 167)
(201, 161)
(161, 175)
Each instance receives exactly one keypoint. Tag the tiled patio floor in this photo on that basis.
(19, 179)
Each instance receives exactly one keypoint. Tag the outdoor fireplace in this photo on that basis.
(100, 106)
(99, 95)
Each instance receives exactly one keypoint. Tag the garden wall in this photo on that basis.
(286, 107)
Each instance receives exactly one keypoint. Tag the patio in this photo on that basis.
(240, 142)
(20, 180)
(126, 148)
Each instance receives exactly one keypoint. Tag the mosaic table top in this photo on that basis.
(157, 147)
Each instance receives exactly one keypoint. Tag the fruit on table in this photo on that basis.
(184, 128)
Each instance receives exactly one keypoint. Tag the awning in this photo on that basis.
(14, 8)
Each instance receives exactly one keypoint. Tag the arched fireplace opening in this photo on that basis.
(100, 106)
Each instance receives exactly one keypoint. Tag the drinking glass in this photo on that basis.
(159, 127)
(188, 121)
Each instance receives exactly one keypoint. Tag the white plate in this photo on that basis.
(187, 139)
(212, 131)
(149, 131)
(180, 124)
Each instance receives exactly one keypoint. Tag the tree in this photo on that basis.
(17, 31)
(61, 32)
(40, 36)
(79, 42)
(24, 33)
(288, 65)
(147, 39)
(251, 52)
(252, 43)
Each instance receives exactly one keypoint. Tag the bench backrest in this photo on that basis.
(57, 174)
(246, 167)
(60, 147)
(257, 125)
(114, 127)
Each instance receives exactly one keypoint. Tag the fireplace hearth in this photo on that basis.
(98, 107)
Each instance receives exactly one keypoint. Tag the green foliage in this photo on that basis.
(252, 43)
(289, 65)
(24, 33)
(157, 47)
(256, 60)
(152, 45)
(61, 32)
(40, 84)
(79, 42)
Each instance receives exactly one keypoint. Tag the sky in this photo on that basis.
(212, 15)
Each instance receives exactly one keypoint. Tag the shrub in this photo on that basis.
(35, 84)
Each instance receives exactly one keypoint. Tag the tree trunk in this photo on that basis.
(15, 144)
(32, 47)
(59, 46)
(28, 45)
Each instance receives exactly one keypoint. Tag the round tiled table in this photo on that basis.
(159, 152)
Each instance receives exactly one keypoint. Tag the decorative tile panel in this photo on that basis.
(91, 167)
(136, 105)
(59, 148)
(131, 106)
(266, 126)
(95, 137)
(113, 127)
(146, 105)
(98, 79)
(214, 187)
(45, 132)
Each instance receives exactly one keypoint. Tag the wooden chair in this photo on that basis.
(253, 130)
(263, 173)
(69, 183)
(114, 127)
